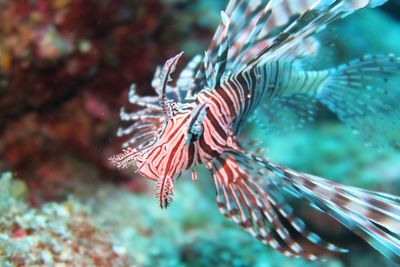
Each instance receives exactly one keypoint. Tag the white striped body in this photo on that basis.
(227, 108)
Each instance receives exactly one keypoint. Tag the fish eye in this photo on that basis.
(195, 132)
(195, 126)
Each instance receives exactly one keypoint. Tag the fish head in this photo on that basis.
(168, 154)
(171, 150)
(171, 153)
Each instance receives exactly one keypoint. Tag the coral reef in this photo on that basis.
(54, 235)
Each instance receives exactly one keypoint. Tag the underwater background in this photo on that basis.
(65, 69)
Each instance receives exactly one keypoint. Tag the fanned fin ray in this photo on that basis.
(364, 93)
(262, 30)
(145, 121)
(258, 205)
(373, 216)
(314, 19)
(187, 78)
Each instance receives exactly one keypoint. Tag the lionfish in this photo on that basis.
(258, 62)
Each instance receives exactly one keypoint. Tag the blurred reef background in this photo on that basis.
(65, 69)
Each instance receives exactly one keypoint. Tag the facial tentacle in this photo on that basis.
(167, 106)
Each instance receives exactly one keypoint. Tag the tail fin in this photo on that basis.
(365, 93)
(250, 191)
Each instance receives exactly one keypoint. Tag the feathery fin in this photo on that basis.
(361, 211)
(364, 94)
(248, 198)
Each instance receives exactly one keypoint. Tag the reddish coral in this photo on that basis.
(65, 66)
